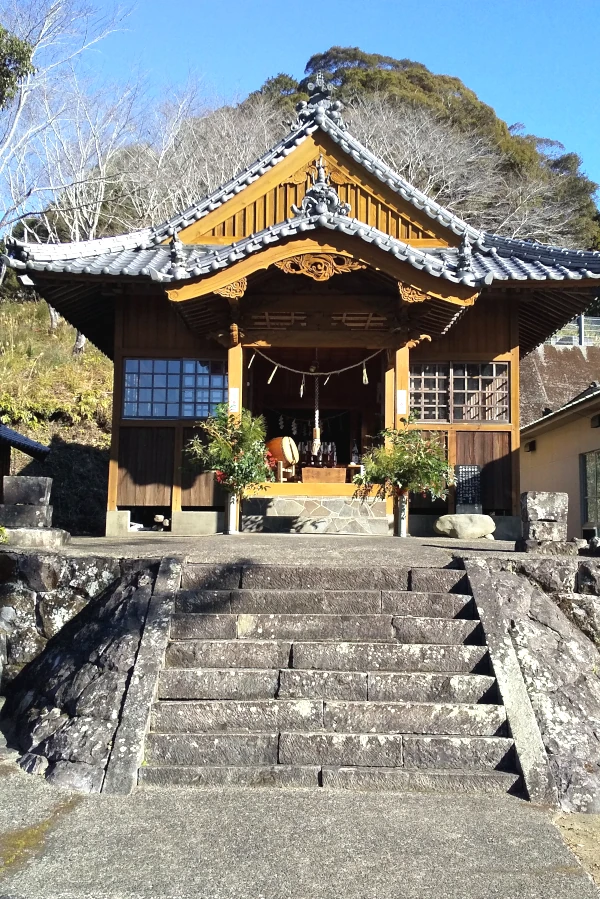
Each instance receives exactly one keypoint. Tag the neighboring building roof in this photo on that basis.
(481, 260)
(24, 444)
(581, 405)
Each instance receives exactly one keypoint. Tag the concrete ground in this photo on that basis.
(277, 844)
(290, 549)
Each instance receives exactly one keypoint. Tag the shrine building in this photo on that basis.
(316, 280)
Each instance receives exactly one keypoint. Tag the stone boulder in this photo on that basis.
(537, 505)
(465, 526)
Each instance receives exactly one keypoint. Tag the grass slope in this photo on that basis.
(61, 400)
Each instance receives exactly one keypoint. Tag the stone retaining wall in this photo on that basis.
(314, 515)
(40, 592)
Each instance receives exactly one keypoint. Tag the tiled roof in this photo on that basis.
(490, 259)
(19, 442)
(592, 393)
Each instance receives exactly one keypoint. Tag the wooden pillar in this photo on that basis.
(389, 411)
(235, 377)
(113, 465)
(402, 384)
(515, 434)
(177, 464)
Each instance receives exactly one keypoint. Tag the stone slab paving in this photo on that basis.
(296, 549)
(277, 844)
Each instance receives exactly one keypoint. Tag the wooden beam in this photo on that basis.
(389, 385)
(177, 465)
(300, 337)
(113, 464)
(319, 303)
(515, 438)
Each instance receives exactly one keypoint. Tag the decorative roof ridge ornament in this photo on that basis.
(321, 198)
(465, 255)
(178, 258)
(320, 103)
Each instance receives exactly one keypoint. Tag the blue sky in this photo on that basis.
(535, 62)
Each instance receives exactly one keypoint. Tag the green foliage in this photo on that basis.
(3, 535)
(15, 65)
(234, 447)
(406, 461)
(40, 379)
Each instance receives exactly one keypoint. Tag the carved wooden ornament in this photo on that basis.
(411, 344)
(235, 290)
(411, 294)
(319, 266)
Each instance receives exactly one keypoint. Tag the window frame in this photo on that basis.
(174, 389)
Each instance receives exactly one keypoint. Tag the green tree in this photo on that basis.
(15, 65)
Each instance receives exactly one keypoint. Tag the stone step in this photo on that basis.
(233, 775)
(257, 716)
(396, 750)
(408, 629)
(324, 577)
(439, 580)
(403, 687)
(219, 683)
(211, 749)
(428, 605)
(391, 657)
(238, 715)
(308, 627)
(414, 718)
(228, 654)
(298, 684)
(407, 780)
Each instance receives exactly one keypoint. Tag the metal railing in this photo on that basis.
(582, 331)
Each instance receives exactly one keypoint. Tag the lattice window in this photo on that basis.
(278, 321)
(173, 388)
(480, 391)
(429, 384)
(460, 391)
(360, 321)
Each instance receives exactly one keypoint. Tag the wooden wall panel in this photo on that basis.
(146, 456)
(490, 450)
(482, 332)
(198, 488)
(276, 205)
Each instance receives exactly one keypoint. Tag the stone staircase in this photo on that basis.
(285, 678)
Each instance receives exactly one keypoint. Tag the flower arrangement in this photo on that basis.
(405, 461)
(233, 446)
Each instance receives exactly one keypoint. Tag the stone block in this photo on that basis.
(537, 505)
(37, 538)
(200, 576)
(235, 716)
(212, 749)
(584, 611)
(8, 566)
(25, 490)
(306, 602)
(399, 779)
(459, 752)
(24, 645)
(414, 718)
(25, 516)
(42, 572)
(204, 601)
(117, 523)
(228, 654)
(408, 629)
(203, 627)
(55, 609)
(232, 775)
(322, 685)
(390, 657)
(316, 627)
(427, 605)
(417, 687)
(545, 530)
(315, 576)
(465, 527)
(552, 575)
(588, 578)
(216, 683)
(438, 580)
(197, 524)
(340, 749)
(547, 547)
